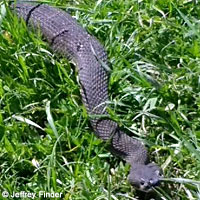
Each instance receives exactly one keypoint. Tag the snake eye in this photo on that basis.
(142, 181)
(159, 173)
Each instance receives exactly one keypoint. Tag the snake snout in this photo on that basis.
(148, 185)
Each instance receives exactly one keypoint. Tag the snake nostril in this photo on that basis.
(152, 182)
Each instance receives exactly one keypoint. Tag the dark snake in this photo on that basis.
(68, 38)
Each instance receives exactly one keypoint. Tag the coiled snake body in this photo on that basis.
(65, 36)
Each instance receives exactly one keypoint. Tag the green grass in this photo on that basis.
(46, 143)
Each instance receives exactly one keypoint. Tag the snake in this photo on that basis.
(66, 37)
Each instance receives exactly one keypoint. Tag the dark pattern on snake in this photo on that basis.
(68, 38)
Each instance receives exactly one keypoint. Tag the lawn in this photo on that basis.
(46, 141)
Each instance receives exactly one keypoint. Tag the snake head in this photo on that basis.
(145, 177)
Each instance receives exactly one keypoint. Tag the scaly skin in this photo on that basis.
(66, 37)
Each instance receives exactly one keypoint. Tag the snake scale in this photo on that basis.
(68, 38)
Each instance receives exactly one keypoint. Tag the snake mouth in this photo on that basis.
(145, 187)
(149, 186)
